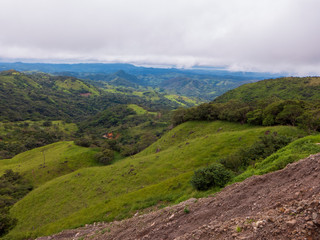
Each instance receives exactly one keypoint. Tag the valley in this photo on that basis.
(111, 152)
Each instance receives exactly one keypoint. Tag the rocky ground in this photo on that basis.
(279, 205)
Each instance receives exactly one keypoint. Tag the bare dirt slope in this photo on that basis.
(279, 205)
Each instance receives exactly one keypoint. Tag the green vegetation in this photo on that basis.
(18, 137)
(186, 210)
(45, 163)
(140, 110)
(88, 180)
(73, 85)
(284, 101)
(215, 175)
(13, 188)
(161, 173)
(304, 114)
(295, 151)
(33, 107)
(259, 150)
(288, 88)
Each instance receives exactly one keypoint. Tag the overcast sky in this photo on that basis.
(256, 35)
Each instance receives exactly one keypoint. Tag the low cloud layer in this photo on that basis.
(262, 35)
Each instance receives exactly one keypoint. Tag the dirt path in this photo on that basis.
(280, 205)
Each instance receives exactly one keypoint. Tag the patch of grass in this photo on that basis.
(45, 163)
(294, 151)
(140, 110)
(182, 100)
(151, 177)
(76, 85)
(186, 210)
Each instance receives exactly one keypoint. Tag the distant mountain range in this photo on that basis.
(203, 83)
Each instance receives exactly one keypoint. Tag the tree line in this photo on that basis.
(267, 112)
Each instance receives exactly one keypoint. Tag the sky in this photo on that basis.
(240, 35)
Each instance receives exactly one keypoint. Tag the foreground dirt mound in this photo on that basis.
(279, 205)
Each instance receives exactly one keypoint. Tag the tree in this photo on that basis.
(105, 157)
(289, 114)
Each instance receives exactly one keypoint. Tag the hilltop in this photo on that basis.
(288, 88)
(282, 101)
(279, 205)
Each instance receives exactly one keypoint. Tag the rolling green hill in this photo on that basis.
(41, 96)
(97, 111)
(288, 88)
(45, 163)
(283, 101)
(201, 82)
(158, 176)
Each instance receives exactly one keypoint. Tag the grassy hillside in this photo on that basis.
(70, 85)
(41, 96)
(295, 88)
(140, 110)
(283, 101)
(157, 176)
(17, 137)
(45, 163)
(296, 150)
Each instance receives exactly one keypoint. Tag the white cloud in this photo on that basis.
(264, 35)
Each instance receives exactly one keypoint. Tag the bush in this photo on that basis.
(12, 188)
(215, 175)
(262, 148)
(83, 142)
(6, 222)
(47, 124)
(105, 157)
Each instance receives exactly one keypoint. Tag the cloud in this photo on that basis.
(262, 35)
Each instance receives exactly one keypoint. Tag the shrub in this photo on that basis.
(262, 148)
(105, 157)
(215, 175)
(47, 124)
(83, 142)
(12, 188)
(6, 222)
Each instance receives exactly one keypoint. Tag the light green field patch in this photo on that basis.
(77, 85)
(45, 163)
(140, 110)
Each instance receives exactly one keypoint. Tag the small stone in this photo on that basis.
(314, 216)
(310, 223)
(299, 209)
(292, 222)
